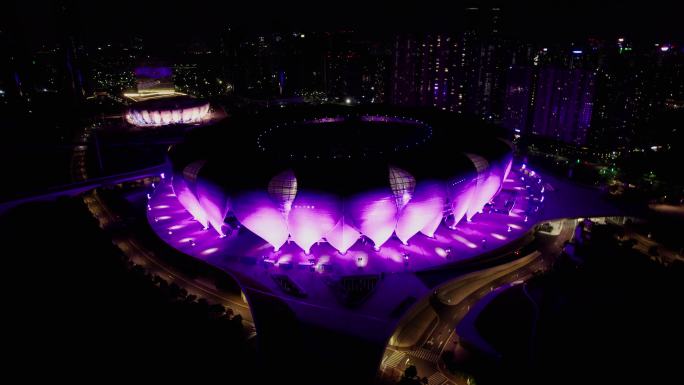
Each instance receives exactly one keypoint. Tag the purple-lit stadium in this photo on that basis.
(176, 109)
(339, 189)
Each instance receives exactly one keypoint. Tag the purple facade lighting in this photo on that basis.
(215, 204)
(339, 249)
(312, 216)
(435, 199)
(258, 213)
(342, 236)
(564, 103)
(509, 165)
(342, 196)
(281, 212)
(488, 185)
(153, 72)
(189, 201)
(460, 193)
(423, 211)
(375, 215)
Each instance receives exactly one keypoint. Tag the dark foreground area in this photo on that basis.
(610, 315)
(79, 309)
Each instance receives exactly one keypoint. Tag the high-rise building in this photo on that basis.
(355, 68)
(316, 66)
(424, 70)
(517, 99)
(374, 74)
(461, 72)
(405, 71)
(482, 60)
(633, 86)
(563, 104)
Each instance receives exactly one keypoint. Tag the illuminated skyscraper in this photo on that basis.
(460, 72)
(517, 99)
(563, 105)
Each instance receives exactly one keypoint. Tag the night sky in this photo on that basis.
(160, 22)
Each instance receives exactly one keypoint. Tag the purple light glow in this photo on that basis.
(215, 204)
(509, 165)
(421, 213)
(188, 200)
(489, 182)
(211, 250)
(460, 195)
(375, 214)
(283, 212)
(337, 248)
(311, 217)
(153, 72)
(258, 213)
(342, 236)
(361, 259)
(481, 166)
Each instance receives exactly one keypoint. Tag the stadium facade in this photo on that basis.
(339, 175)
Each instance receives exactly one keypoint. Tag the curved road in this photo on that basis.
(133, 247)
(452, 301)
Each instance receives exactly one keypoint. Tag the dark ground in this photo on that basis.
(616, 319)
(78, 312)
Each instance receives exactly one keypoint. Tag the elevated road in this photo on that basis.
(80, 187)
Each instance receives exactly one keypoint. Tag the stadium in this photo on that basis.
(339, 189)
(343, 220)
(167, 110)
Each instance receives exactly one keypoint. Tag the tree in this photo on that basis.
(410, 377)
(629, 243)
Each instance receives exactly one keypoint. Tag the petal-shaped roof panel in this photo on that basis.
(261, 215)
(312, 216)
